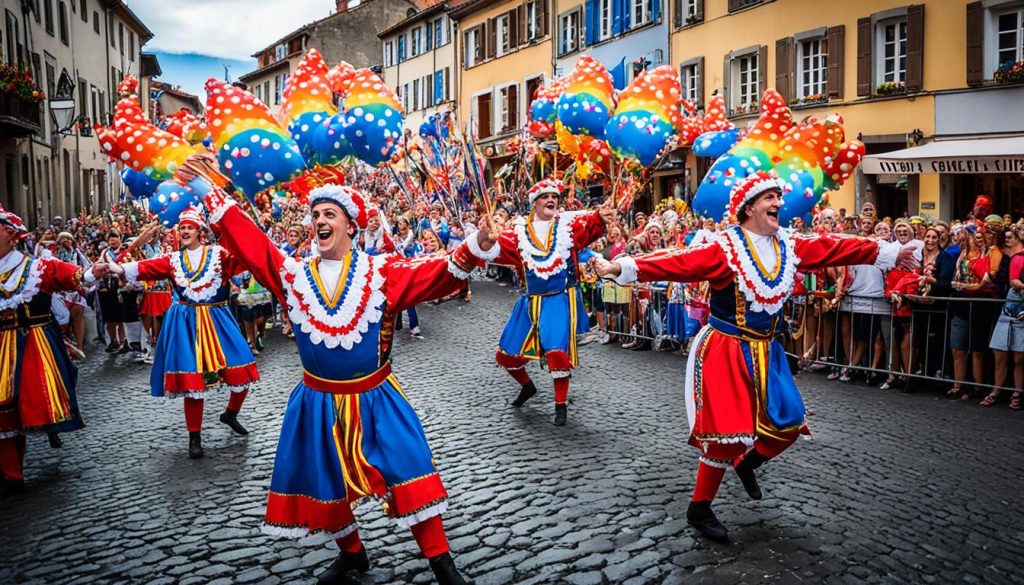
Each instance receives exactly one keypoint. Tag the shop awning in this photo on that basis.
(975, 155)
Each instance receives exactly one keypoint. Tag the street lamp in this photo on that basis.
(62, 104)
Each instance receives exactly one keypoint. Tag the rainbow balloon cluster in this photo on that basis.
(585, 104)
(133, 142)
(811, 157)
(543, 110)
(371, 118)
(251, 146)
(647, 118)
(308, 102)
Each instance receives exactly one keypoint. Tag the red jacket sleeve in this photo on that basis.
(59, 276)
(250, 249)
(695, 264)
(158, 268)
(508, 243)
(411, 281)
(586, 229)
(823, 251)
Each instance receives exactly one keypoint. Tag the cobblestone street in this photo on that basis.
(893, 488)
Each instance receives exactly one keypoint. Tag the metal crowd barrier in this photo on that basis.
(823, 334)
(859, 325)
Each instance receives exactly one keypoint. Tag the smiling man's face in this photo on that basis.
(763, 213)
(331, 227)
(545, 206)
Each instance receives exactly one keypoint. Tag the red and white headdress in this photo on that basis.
(545, 186)
(348, 198)
(194, 216)
(12, 221)
(750, 187)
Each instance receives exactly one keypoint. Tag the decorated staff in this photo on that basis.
(743, 405)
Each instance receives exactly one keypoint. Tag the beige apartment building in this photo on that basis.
(419, 63)
(349, 34)
(48, 170)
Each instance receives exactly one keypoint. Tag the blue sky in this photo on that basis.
(194, 39)
(191, 71)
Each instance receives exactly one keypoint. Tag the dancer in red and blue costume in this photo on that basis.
(37, 378)
(200, 345)
(544, 249)
(742, 403)
(349, 432)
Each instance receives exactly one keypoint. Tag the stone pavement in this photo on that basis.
(893, 488)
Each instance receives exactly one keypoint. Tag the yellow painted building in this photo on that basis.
(897, 73)
(504, 53)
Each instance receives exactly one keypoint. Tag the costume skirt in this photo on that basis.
(545, 324)
(336, 449)
(200, 346)
(37, 382)
(739, 389)
(155, 303)
(675, 322)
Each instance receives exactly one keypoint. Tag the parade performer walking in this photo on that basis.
(200, 344)
(742, 403)
(348, 431)
(545, 321)
(37, 378)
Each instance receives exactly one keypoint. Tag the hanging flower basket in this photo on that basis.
(890, 88)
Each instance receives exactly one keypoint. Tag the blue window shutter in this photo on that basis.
(438, 87)
(656, 11)
(591, 19)
(617, 10)
(627, 14)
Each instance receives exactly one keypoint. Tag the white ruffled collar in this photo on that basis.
(206, 279)
(23, 284)
(547, 263)
(765, 288)
(359, 302)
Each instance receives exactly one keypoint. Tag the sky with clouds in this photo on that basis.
(195, 39)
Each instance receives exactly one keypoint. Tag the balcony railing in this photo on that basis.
(18, 117)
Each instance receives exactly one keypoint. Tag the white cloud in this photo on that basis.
(232, 29)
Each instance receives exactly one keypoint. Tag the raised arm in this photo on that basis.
(411, 281)
(55, 276)
(248, 247)
(586, 229)
(694, 264)
(823, 251)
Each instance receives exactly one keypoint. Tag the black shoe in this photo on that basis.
(745, 470)
(113, 348)
(525, 393)
(561, 411)
(125, 348)
(445, 571)
(136, 347)
(345, 562)
(231, 419)
(874, 379)
(195, 446)
(12, 487)
(700, 516)
(55, 442)
(259, 342)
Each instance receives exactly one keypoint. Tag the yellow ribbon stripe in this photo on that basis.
(8, 359)
(348, 440)
(209, 354)
(56, 392)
